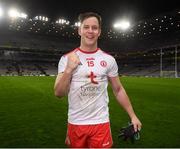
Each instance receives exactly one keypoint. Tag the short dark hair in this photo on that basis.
(86, 15)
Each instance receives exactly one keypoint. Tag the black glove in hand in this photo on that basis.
(129, 133)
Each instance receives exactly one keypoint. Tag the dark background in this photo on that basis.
(110, 10)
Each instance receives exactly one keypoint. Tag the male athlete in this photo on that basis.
(83, 74)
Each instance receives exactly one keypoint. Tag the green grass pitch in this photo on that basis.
(31, 116)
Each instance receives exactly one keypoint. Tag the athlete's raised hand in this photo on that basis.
(73, 62)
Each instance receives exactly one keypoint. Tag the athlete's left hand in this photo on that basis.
(136, 123)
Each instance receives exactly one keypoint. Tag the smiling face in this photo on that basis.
(89, 31)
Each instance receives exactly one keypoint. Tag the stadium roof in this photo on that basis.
(110, 10)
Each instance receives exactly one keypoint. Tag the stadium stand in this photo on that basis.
(150, 48)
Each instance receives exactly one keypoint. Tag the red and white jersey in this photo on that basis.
(88, 97)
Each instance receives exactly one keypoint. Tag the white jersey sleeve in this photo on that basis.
(62, 64)
(113, 69)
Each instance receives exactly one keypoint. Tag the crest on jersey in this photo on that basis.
(103, 63)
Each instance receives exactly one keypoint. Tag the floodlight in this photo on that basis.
(23, 15)
(63, 21)
(77, 24)
(13, 13)
(124, 25)
(41, 18)
(1, 12)
(67, 22)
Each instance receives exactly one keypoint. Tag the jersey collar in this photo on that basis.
(88, 52)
